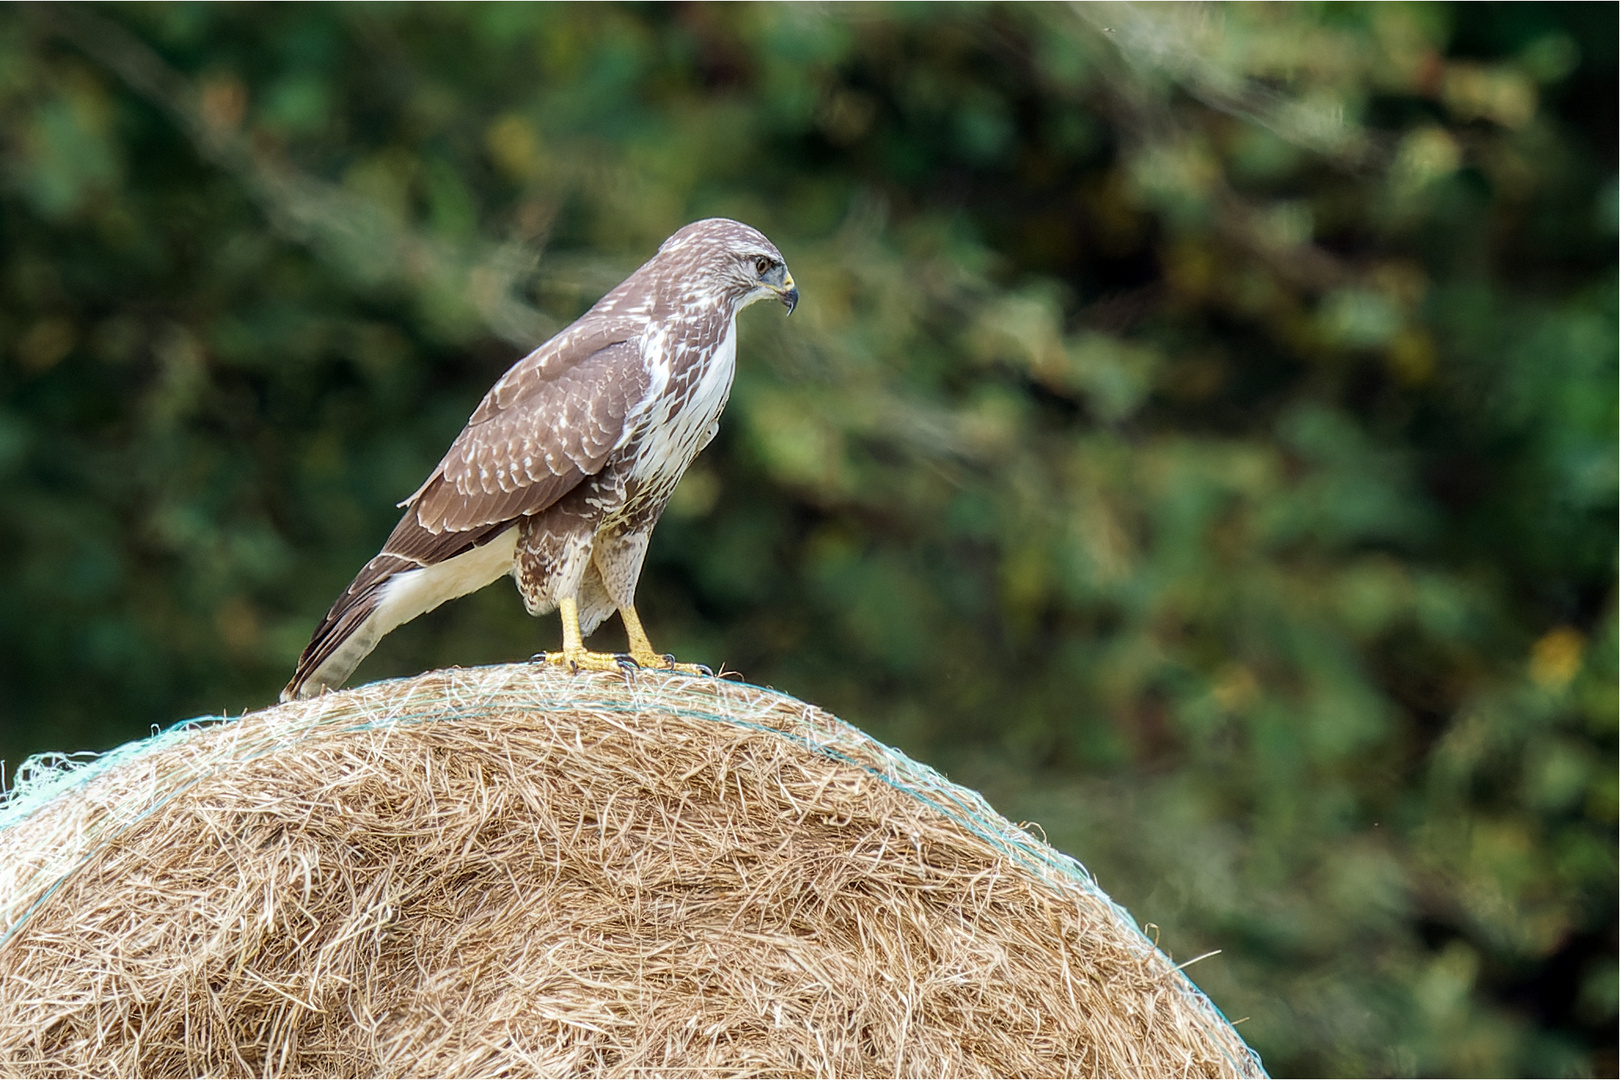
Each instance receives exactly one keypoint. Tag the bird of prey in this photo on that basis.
(567, 463)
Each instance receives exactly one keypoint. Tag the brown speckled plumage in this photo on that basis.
(572, 455)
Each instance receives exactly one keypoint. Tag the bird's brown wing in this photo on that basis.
(542, 429)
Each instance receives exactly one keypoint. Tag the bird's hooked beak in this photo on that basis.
(780, 282)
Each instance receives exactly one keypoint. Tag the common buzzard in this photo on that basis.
(567, 463)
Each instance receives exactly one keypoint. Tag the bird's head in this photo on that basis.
(735, 260)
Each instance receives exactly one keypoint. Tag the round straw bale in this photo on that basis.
(513, 871)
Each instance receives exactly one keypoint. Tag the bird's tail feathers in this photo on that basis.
(348, 633)
(417, 571)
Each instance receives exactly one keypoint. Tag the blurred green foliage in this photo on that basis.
(1198, 432)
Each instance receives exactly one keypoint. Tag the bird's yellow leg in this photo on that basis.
(574, 654)
(641, 650)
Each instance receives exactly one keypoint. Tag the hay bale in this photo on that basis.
(512, 871)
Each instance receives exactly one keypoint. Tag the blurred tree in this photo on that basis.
(1198, 432)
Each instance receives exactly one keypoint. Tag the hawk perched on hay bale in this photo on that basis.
(567, 463)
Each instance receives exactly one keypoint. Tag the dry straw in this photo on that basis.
(514, 871)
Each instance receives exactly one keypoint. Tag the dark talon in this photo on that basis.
(669, 660)
(538, 658)
(628, 666)
(705, 669)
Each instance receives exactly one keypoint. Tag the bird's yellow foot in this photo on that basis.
(666, 662)
(576, 657)
(584, 660)
(644, 655)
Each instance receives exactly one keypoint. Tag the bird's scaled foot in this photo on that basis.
(584, 660)
(641, 650)
(667, 662)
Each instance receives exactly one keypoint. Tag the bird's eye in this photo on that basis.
(763, 265)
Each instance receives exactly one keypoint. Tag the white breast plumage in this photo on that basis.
(683, 418)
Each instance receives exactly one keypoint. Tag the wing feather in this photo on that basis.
(550, 422)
